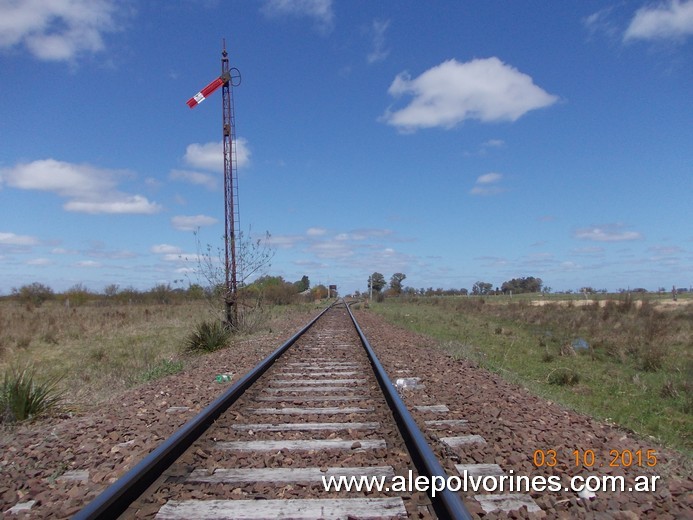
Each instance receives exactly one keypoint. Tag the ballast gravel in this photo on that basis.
(54, 467)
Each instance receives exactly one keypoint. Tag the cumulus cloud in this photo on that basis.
(487, 184)
(192, 222)
(88, 189)
(319, 10)
(671, 20)
(210, 156)
(484, 89)
(58, 30)
(607, 233)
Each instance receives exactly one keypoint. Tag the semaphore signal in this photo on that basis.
(230, 77)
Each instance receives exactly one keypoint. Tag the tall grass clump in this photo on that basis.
(23, 396)
(208, 336)
(166, 367)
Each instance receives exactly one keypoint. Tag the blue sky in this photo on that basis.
(452, 141)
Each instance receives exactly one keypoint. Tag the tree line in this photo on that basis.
(269, 289)
(379, 287)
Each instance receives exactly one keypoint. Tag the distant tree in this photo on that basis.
(396, 282)
(195, 291)
(129, 295)
(161, 293)
(111, 290)
(376, 281)
(303, 284)
(522, 285)
(34, 294)
(273, 289)
(319, 292)
(482, 288)
(77, 295)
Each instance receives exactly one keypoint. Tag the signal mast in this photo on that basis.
(230, 77)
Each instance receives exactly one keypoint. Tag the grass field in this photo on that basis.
(636, 369)
(99, 350)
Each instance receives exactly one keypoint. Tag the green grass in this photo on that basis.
(166, 367)
(637, 373)
(24, 395)
(207, 336)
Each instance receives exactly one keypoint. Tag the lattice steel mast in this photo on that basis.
(230, 77)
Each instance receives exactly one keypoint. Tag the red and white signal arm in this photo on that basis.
(205, 92)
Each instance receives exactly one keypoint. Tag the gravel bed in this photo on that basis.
(45, 461)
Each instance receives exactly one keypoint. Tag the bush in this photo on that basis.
(652, 357)
(207, 337)
(563, 377)
(34, 294)
(23, 397)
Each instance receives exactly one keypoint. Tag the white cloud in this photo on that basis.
(489, 178)
(284, 241)
(197, 178)
(124, 205)
(447, 94)
(191, 223)
(493, 143)
(87, 188)
(333, 249)
(316, 231)
(600, 23)
(319, 10)
(671, 20)
(57, 30)
(379, 52)
(11, 239)
(487, 184)
(590, 250)
(183, 257)
(210, 156)
(88, 263)
(607, 233)
(163, 249)
(39, 261)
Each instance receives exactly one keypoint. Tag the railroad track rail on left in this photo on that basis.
(319, 407)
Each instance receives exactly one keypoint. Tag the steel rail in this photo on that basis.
(115, 499)
(447, 504)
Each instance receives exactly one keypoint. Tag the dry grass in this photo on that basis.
(636, 371)
(97, 350)
(100, 349)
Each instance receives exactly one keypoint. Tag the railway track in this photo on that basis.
(320, 406)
